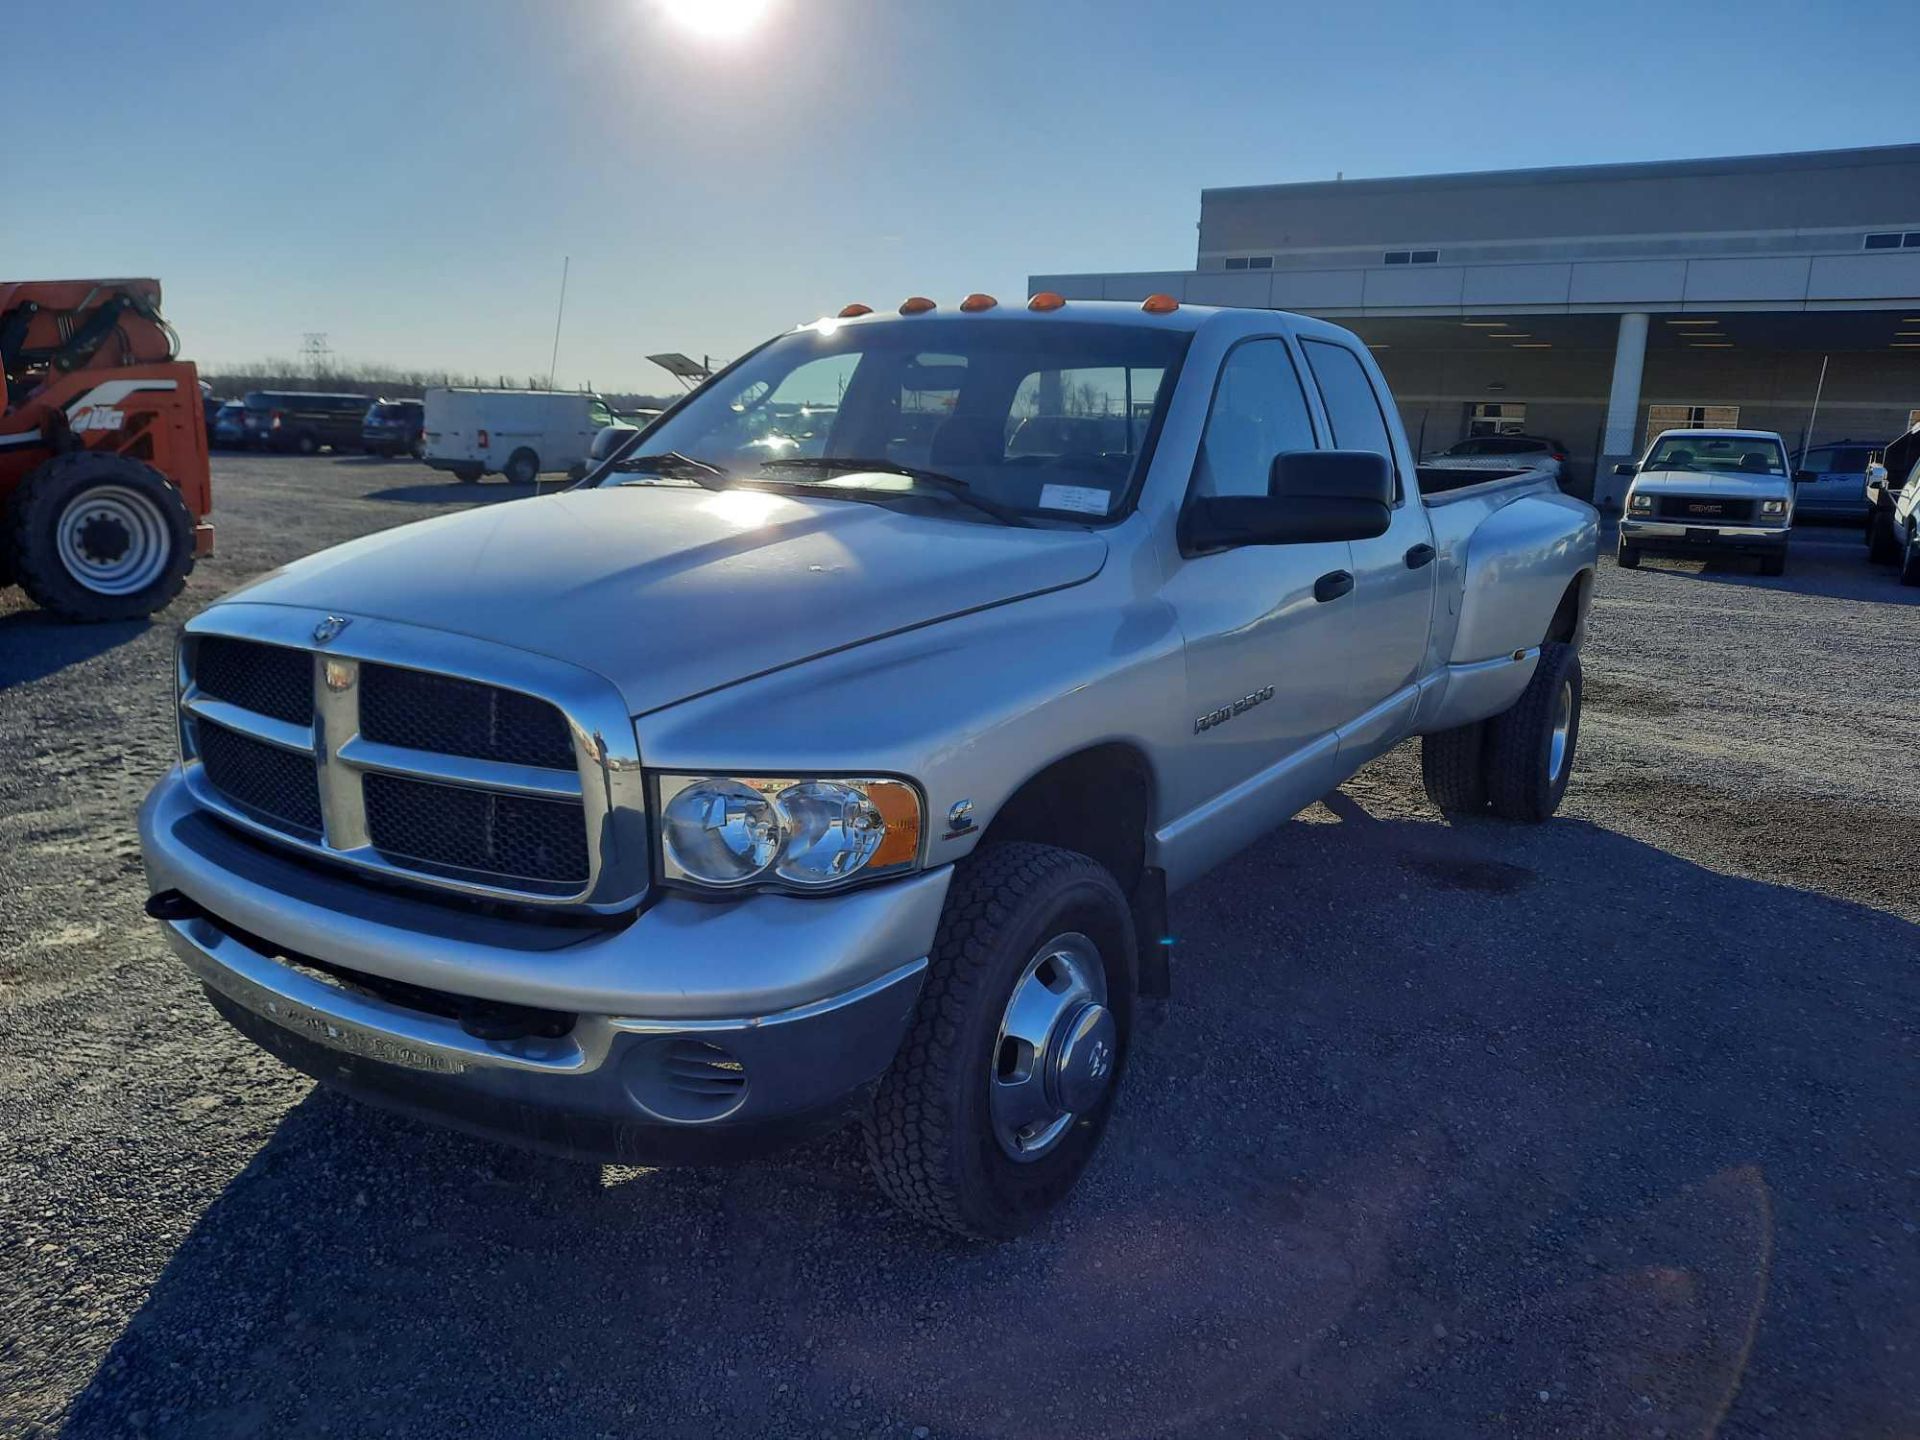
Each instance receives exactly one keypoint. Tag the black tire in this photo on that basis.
(306, 444)
(1523, 782)
(47, 497)
(1910, 562)
(418, 449)
(522, 467)
(1453, 767)
(930, 1133)
(1626, 556)
(1883, 544)
(1773, 565)
(468, 474)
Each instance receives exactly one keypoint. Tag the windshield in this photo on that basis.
(1031, 417)
(1718, 455)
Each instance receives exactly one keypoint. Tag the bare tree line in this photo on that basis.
(381, 382)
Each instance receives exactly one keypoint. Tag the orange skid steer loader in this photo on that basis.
(104, 486)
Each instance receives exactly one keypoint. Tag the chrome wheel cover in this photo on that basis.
(1053, 1059)
(1562, 739)
(113, 540)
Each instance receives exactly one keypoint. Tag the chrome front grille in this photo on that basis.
(400, 752)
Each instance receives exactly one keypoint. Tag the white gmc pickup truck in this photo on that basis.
(830, 752)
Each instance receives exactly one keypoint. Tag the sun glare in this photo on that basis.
(716, 19)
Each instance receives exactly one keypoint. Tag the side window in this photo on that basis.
(1259, 410)
(1353, 410)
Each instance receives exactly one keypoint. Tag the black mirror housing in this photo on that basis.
(1627, 469)
(1313, 495)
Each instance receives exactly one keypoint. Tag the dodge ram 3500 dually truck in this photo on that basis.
(786, 771)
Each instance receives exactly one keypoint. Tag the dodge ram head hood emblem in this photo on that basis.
(328, 628)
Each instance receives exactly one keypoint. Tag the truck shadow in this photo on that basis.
(1447, 1130)
(452, 492)
(34, 645)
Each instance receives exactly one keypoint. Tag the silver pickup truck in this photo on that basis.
(830, 752)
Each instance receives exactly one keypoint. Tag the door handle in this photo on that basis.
(1332, 585)
(1419, 555)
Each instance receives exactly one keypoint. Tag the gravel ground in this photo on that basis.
(1605, 1127)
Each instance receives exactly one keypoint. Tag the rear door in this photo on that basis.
(1265, 658)
(1393, 573)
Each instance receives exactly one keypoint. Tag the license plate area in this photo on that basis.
(1702, 536)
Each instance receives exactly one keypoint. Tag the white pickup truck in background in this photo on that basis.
(830, 752)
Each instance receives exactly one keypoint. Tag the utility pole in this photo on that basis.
(553, 365)
(1806, 442)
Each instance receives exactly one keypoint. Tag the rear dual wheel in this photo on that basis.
(1518, 763)
(99, 537)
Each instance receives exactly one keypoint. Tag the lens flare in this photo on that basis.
(715, 19)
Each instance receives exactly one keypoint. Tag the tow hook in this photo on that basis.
(172, 905)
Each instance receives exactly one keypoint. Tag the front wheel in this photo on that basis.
(1530, 745)
(1910, 560)
(100, 537)
(1626, 556)
(1774, 565)
(1002, 1088)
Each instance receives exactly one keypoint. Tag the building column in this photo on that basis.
(1619, 442)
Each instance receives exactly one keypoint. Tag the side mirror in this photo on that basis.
(1312, 495)
(1627, 469)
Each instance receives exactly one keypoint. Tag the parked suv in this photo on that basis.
(304, 421)
(1707, 493)
(1886, 481)
(394, 427)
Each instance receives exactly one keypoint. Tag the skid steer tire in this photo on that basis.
(99, 537)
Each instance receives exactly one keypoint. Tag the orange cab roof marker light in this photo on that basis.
(915, 305)
(1047, 300)
(1159, 304)
(848, 312)
(976, 302)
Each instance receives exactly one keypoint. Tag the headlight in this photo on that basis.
(1640, 504)
(803, 834)
(1773, 507)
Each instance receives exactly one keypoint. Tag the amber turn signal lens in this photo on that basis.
(1159, 304)
(977, 302)
(1046, 300)
(899, 806)
(849, 311)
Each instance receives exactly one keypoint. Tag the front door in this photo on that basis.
(1268, 633)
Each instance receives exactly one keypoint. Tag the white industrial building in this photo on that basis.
(1595, 304)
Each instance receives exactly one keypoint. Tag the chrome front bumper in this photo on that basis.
(808, 998)
(1665, 534)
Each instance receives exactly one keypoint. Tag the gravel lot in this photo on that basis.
(1606, 1127)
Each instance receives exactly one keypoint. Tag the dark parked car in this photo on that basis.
(229, 429)
(394, 427)
(303, 421)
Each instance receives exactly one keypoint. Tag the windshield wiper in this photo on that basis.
(671, 463)
(950, 485)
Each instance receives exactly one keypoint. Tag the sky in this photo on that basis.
(409, 177)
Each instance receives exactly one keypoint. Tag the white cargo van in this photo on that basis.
(516, 433)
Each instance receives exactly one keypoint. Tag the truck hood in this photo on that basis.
(1694, 482)
(671, 592)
